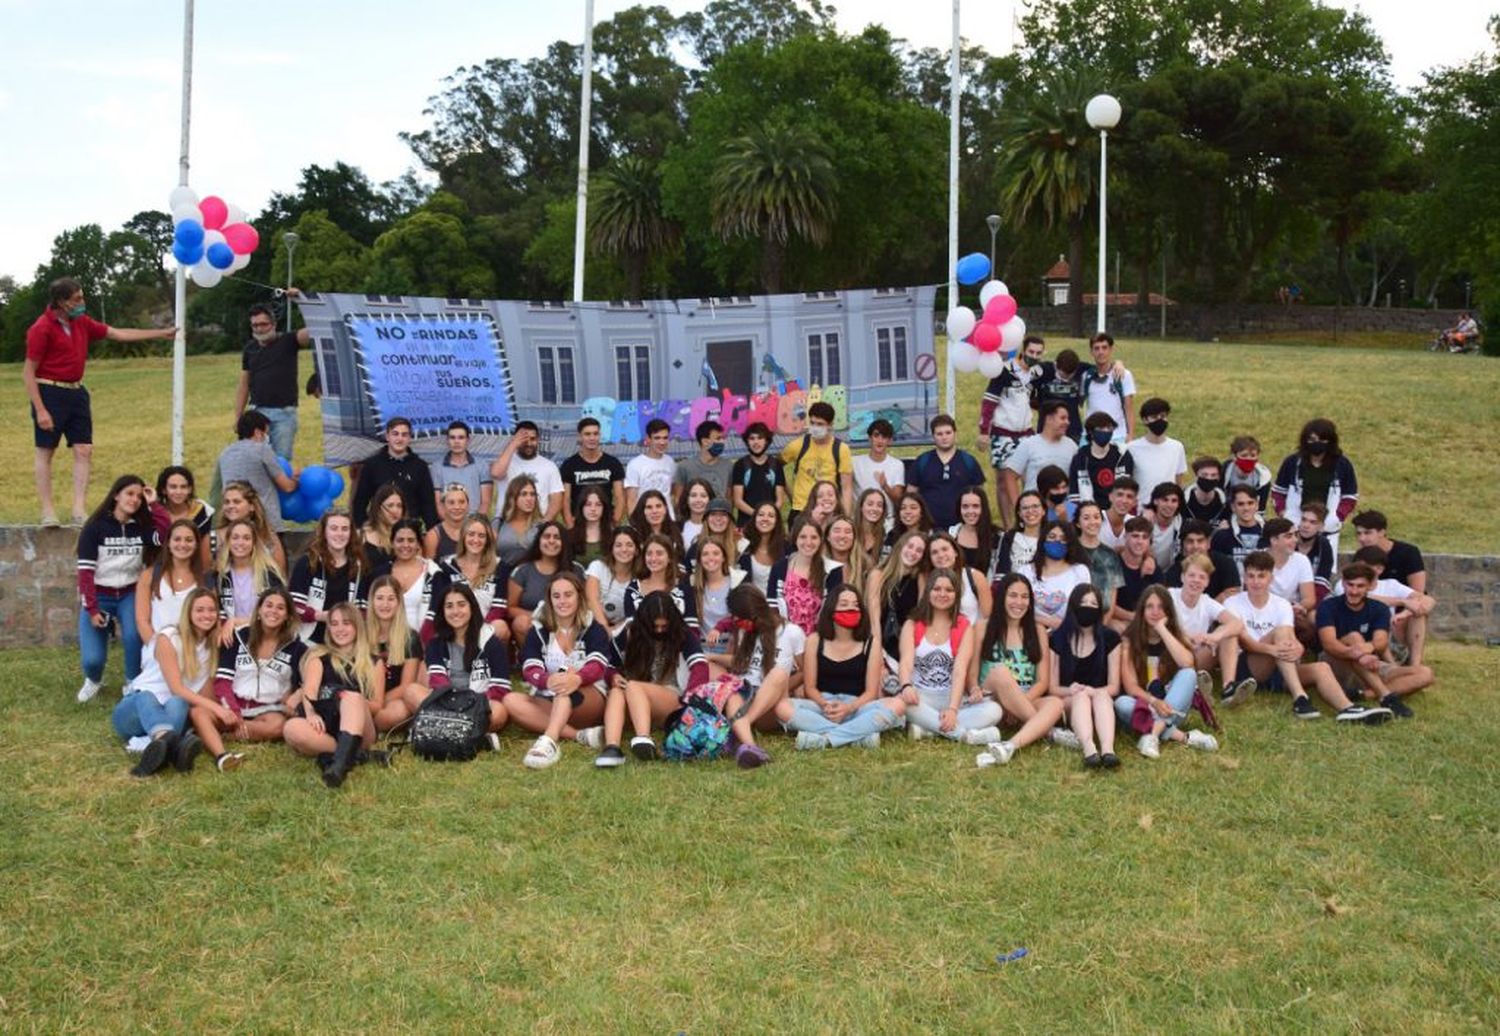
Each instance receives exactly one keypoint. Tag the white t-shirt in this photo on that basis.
(645, 472)
(1260, 621)
(1156, 462)
(548, 479)
(865, 468)
(611, 592)
(790, 643)
(1286, 581)
(1052, 592)
(1102, 398)
(1198, 620)
(1034, 453)
(1391, 588)
(1164, 542)
(152, 682)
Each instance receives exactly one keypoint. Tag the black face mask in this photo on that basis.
(1317, 449)
(1157, 427)
(1208, 485)
(1102, 436)
(1057, 498)
(1087, 615)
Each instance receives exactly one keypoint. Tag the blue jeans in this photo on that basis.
(93, 643)
(872, 718)
(140, 714)
(1179, 695)
(971, 716)
(283, 428)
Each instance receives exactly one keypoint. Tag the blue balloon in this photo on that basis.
(286, 466)
(335, 485)
(220, 256)
(187, 255)
(189, 233)
(315, 482)
(972, 268)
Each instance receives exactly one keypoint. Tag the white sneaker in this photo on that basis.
(1149, 746)
(981, 736)
(984, 759)
(137, 745)
(869, 741)
(916, 733)
(1202, 741)
(542, 753)
(1064, 738)
(1002, 751)
(590, 737)
(807, 741)
(87, 691)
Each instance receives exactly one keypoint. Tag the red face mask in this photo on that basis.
(847, 619)
(1245, 464)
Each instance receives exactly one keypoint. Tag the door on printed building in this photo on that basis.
(733, 365)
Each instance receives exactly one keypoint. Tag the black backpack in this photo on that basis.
(450, 726)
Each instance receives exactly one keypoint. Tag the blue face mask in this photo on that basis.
(1102, 436)
(75, 311)
(716, 450)
(1055, 550)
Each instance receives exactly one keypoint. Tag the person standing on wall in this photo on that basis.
(268, 375)
(57, 347)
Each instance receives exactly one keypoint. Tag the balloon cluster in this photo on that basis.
(317, 488)
(210, 237)
(984, 342)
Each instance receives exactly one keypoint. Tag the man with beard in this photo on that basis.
(757, 478)
(521, 456)
(268, 375)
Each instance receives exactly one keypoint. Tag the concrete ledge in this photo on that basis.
(39, 588)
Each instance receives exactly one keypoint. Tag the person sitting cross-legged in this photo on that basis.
(1409, 608)
(1354, 633)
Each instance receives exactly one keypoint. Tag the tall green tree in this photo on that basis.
(626, 220)
(772, 185)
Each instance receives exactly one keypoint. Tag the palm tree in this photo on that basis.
(773, 184)
(626, 218)
(1046, 168)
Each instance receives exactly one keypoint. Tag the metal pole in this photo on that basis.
(585, 100)
(954, 89)
(179, 341)
(291, 249)
(1164, 289)
(1103, 218)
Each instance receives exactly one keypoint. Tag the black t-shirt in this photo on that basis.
(758, 481)
(273, 370)
(1215, 512)
(1096, 475)
(1239, 541)
(1226, 576)
(578, 473)
(1316, 480)
(1129, 592)
(1049, 385)
(1403, 562)
(1092, 670)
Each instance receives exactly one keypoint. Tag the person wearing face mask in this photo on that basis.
(1157, 458)
(1086, 675)
(1319, 470)
(57, 347)
(522, 456)
(1055, 382)
(1052, 484)
(819, 456)
(1206, 500)
(707, 464)
(1243, 468)
(756, 478)
(1094, 468)
(268, 375)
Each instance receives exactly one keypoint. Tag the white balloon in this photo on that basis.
(961, 321)
(991, 290)
(205, 276)
(182, 196)
(991, 364)
(213, 237)
(240, 262)
(186, 211)
(965, 357)
(1011, 333)
(236, 214)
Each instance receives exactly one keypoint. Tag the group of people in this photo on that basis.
(808, 589)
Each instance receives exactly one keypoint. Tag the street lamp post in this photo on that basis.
(291, 240)
(993, 222)
(1103, 114)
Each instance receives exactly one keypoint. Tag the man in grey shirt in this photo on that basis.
(252, 460)
(1035, 452)
(708, 464)
(459, 466)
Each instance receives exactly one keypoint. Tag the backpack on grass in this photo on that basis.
(450, 726)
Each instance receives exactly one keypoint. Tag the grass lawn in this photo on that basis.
(1415, 424)
(1306, 878)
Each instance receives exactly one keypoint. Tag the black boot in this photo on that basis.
(155, 756)
(343, 759)
(186, 754)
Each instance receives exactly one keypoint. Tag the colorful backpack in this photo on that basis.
(698, 730)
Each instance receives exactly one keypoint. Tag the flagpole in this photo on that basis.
(179, 341)
(585, 101)
(954, 89)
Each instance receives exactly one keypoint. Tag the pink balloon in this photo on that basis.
(241, 237)
(215, 211)
(999, 309)
(986, 337)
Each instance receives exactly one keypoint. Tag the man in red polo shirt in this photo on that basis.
(57, 346)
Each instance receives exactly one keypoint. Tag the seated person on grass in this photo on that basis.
(1224, 577)
(1139, 572)
(1313, 545)
(1354, 634)
(1246, 533)
(1212, 631)
(1206, 499)
(1273, 654)
(1292, 578)
(1403, 561)
(1409, 608)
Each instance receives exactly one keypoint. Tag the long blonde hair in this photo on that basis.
(261, 564)
(397, 636)
(894, 570)
(191, 639)
(857, 565)
(257, 517)
(355, 660)
(488, 561)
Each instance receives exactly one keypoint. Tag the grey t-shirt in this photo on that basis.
(471, 476)
(254, 462)
(715, 474)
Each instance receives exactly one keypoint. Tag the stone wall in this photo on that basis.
(39, 595)
(1195, 321)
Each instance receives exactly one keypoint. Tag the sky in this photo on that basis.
(90, 92)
